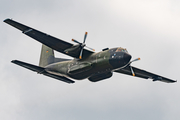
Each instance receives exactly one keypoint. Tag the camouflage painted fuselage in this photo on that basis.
(97, 66)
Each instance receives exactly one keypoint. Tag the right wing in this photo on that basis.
(41, 70)
(50, 41)
(144, 74)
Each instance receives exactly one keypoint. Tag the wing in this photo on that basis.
(48, 40)
(41, 70)
(144, 74)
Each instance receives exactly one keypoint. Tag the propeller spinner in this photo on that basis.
(82, 45)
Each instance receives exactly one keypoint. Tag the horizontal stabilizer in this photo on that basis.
(29, 66)
(41, 70)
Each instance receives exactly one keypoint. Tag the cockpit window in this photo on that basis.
(121, 50)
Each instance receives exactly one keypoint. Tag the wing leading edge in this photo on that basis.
(41, 70)
(48, 40)
(144, 74)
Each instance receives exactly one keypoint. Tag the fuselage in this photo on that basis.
(97, 66)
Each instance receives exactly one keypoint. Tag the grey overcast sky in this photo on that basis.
(148, 29)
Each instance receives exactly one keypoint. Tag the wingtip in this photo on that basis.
(174, 81)
(71, 82)
(13, 61)
(6, 20)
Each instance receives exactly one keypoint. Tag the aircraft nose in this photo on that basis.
(127, 57)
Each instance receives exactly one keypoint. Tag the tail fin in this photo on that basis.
(47, 56)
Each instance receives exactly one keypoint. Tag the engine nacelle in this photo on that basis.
(73, 50)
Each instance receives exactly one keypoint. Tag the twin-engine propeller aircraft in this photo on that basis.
(86, 63)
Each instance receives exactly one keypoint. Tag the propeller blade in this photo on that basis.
(131, 67)
(90, 48)
(134, 60)
(82, 45)
(80, 56)
(85, 37)
(75, 41)
(132, 71)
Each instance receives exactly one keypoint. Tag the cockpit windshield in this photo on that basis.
(121, 50)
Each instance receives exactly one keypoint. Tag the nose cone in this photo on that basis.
(127, 58)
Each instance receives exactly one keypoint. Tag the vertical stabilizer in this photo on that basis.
(47, 56)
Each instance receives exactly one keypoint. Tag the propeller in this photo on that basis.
(131, 66)
(82, 45)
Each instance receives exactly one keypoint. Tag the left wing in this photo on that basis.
(50, 41)
(144, 74)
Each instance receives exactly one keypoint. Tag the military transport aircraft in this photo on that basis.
(94, 66)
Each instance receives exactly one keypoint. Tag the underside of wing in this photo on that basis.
(48, 40)
(144, 74)
(41, 70)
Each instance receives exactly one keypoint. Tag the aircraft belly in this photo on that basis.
(80, 71)
(87, 70)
